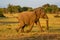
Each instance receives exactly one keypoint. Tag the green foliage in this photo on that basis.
(54, 8)
(50, 8)
(1, 12)
(27, 9)
(14, 9)
(46, 5)
(1, 15)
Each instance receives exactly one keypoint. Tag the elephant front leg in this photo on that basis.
(47, 21)
(47, 24)
(39, 25)
(30, 27)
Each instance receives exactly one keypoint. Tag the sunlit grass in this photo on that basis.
(7, 30)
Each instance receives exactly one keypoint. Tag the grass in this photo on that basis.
(7, 30)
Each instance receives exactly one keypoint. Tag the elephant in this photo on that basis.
(31, 17)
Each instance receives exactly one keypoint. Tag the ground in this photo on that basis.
(8, 32)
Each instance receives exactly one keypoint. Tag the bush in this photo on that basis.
(1, 15)
(1, 12)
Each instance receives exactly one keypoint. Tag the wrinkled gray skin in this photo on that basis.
(29, 18)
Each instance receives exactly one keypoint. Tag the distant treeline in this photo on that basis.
(16, 9)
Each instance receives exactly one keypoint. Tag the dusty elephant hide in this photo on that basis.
(29, 18)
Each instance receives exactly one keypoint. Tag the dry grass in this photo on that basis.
(8, 32)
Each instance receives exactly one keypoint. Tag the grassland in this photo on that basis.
(8, 32)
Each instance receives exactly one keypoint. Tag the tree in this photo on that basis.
(5, 10)
(50, 8)
(27, 9)
(13, 8)
(47, 8)
(54, 8)
(24, 8)
(1, 12)
(10, 8)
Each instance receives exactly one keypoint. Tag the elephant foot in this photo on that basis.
(17, 30)
(22, 31)
(28, 31)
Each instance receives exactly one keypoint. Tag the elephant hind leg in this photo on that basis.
(39, 25)
(22, 29)
(21, 26)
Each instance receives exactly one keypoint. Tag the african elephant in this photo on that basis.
(31, 17)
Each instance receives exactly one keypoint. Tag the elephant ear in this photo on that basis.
(41, 9)
(34, 10)
(38, 10)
